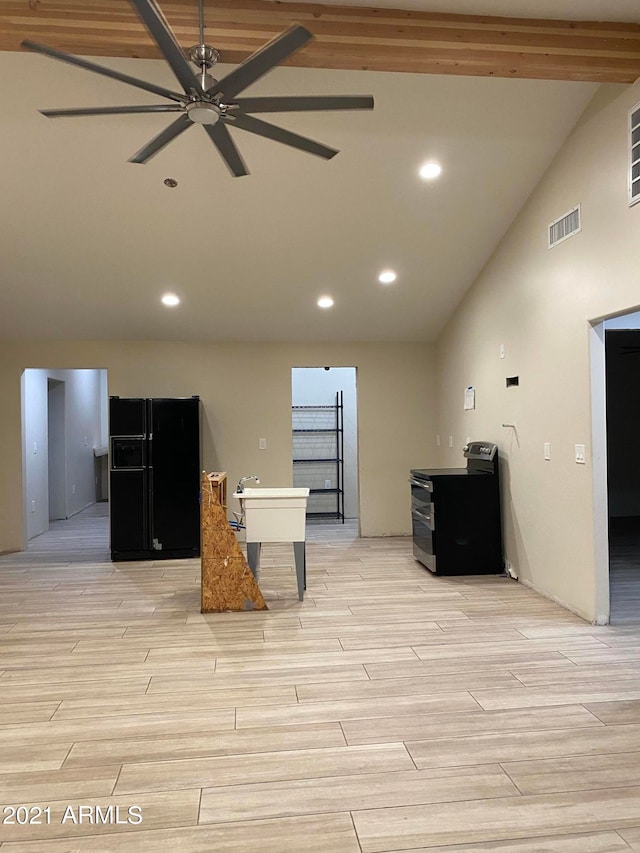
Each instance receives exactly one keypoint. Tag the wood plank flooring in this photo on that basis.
(390, 711)
(624, 569)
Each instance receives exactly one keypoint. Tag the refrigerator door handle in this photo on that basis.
(148, 516)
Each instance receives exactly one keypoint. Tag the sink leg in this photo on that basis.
(299, 552)
(253, 558)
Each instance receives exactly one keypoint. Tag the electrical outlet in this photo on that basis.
(33, 506)
(547, 450)
(262, 444)
(450, 441)
(581, 456)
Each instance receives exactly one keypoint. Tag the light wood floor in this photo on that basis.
(624, 569)
(391, 711)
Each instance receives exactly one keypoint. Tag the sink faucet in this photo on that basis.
(243, 480)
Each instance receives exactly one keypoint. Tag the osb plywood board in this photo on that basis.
(227, 580)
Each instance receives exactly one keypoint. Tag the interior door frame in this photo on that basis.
(353, 367)
(599, 456)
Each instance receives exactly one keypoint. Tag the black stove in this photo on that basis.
(467, 537)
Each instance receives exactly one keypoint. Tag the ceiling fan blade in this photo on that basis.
(158, 142)
(221, 138)
(261, 61)
(100, 69)
(162, 34)
(105, 111)
(298, 103)
(279, 134)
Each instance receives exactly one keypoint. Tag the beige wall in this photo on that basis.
(246, 394)
(538, 303)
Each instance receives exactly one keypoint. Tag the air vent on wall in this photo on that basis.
(634, 154)
(565, 226)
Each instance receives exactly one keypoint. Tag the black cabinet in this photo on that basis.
(154, 478)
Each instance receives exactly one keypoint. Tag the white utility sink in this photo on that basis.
(286, 492)
(274, 514)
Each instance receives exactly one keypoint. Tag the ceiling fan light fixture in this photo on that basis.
(203, 112)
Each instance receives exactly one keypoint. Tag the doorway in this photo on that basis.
(56, 449)
(64, 438)
(622, 359)
(325, 447)
(615, 355)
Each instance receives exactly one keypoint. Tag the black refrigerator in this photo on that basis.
(154, 478)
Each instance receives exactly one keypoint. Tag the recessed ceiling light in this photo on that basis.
(387, 277)
(170, 299)
(325, 302)
(430, 170)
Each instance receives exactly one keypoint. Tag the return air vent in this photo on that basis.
(634, 154)
(564, 227)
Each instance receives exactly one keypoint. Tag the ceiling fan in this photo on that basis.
(212, 103)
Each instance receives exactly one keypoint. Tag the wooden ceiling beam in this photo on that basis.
(348, 37)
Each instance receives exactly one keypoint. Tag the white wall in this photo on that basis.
(104, 410)
(246, 394)
(538, 303)
(82, 433)
(316, 386)
(36, 455)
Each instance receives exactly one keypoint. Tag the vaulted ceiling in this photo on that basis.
(89, 241)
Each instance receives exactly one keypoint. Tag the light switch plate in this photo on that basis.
(581, 456)
(450, 441)
(547, 450)
(262, 444)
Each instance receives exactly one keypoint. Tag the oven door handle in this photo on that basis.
(427, 486)
(422, 515)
